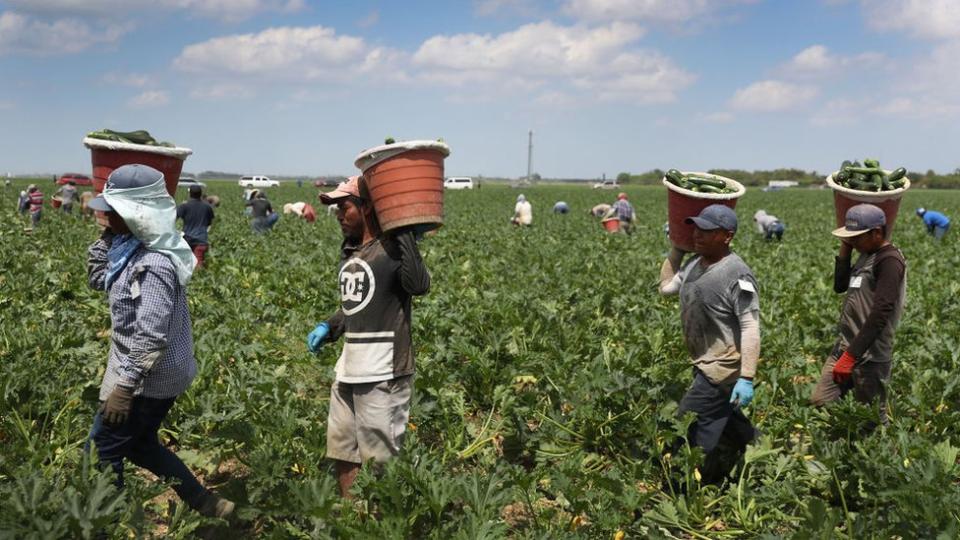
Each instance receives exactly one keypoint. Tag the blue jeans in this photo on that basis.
(136, 440)
(938, 232)
(775, 230)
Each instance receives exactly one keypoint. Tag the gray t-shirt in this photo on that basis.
(712, 300)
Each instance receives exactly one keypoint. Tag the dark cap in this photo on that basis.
(860, 219)
(196, 190)
(126, 177)
(715, 216)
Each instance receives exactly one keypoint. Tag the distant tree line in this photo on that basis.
(929, 179)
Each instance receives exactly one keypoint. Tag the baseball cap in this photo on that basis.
(860, 219)
(126, 177)
(621, 196)
(921, 211)
(350, 188)
(715, 216)
(196, 190)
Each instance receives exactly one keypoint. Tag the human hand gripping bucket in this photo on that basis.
(888, 201)
(405, 181)
(107, 155)
(683, 203)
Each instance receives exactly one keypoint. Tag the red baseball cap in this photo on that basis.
(350, 188)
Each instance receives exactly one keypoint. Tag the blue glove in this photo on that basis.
(315, 338)
(742, 392)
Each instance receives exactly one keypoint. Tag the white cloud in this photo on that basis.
(772, 95)
(370, 20)
(135, 80)
(928, 19)
(24, 34)
(296, 53)
(818, 61)
(645, 10)
(596, 59)
(219, 91)
(929, 89)
(720, 117)
(553, 99)
(841, 112)
(149, 99)
(227, 10)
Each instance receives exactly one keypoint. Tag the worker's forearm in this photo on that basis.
(749, 343)
(669, 270)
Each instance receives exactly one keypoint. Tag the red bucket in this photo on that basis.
(108, 155)
(405, 181)
(888, 201)
(683, 203)
(611, 224)
(56, 202)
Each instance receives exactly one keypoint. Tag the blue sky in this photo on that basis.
(300, 86)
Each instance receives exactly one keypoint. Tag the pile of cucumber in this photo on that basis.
(699, 184)
(869, 176)
(134, 137)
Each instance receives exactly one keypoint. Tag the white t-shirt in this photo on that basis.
(764, 221)
(524, 212)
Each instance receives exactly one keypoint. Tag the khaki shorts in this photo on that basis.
(367, 420)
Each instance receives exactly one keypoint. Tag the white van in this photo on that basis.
(458, 182)
(257, 181)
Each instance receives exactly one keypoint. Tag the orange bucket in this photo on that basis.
(108, 155)
(611, 224)
(888, 201)
(683, 203)
(405, 181)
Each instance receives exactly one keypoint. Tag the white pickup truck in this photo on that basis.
(257, 182)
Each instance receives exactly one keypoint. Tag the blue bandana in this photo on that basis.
(119, 254)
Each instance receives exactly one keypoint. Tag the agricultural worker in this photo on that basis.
(720, 315)
(624, 212)
(522, 212)
(876, 287)
(143, 264)
(937, 223)
(23, 202)
(600, 210)
(197, 216)
(379, 275)
(35, 197)
(264, 218)
(768, 225)
(561, 208)
(68, 194)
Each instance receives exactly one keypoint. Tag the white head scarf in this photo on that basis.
(151, 214)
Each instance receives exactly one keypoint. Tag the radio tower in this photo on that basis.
(529, 154)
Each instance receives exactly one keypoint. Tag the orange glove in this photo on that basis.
(843, 369)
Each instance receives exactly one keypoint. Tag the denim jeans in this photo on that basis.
(938, 232)
(136, 440)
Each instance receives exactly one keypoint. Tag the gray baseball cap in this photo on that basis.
(860, 219)
(715, 216)
(125, 177)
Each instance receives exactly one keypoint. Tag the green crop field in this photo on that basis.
(548, 376)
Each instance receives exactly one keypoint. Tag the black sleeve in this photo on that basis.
(414, 277)
(248, 203)
(180, 211)
(841, 275)
(210, 213)
(890, 271)
(336, 326)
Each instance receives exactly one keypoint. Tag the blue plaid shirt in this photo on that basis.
(623, 209)
(151, 346)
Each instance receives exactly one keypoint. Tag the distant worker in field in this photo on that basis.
(600, 210)
(213, 201)
(301, 210)
(143, 264)
(623, 211)
(197, 216)
(720, 316)
(36, 204)
(768, 225)
(379, 275)
(522, 212)
(560, 208)
(937, 224)
(23, 202)
(68, 194)
(264, 218)
(875, 288)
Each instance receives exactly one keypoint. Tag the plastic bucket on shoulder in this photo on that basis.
(109, 155)
(405, 181)
(611, 225)
(846, 198)
(683, 203)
